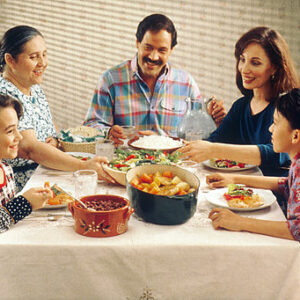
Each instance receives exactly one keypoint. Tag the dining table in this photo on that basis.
(42, 257)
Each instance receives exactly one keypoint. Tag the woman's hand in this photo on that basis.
(52, 141)
(37, 197)
(217, 180)
(225, 218)
(217, 110)
(197, 150)
(96, 164)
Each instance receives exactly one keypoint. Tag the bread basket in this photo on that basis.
(88, 147)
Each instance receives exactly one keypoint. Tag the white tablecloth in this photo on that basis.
(48, 260)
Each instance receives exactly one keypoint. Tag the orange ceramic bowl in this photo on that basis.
(101, 223)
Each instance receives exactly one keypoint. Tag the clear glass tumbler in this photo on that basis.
(85, 183)
(130, 132)
(105, 147)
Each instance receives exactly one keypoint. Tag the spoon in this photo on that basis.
(84, 205)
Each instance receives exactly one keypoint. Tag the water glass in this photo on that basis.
(130, 132)
(105, 147)
(85, 183)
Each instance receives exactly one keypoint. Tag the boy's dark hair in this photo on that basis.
(7, 101)
(289, 106)
(155, 23)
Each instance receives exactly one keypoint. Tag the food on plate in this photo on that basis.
(59, 196)
(238, 196)
(226, 163)
(164, 183)
(103, 204)
(158, 142)
(126, 160)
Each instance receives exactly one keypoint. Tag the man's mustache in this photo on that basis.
(155, 62)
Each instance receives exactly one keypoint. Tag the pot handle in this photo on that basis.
(71, 208)
(128, 213)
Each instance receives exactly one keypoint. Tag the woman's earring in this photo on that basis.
(272, 77)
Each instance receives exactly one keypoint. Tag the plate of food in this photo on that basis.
(60, 198)
(240, 198)
(156, 142)
(227, 165)
(127, 159)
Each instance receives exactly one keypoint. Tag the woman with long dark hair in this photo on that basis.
(264, 70)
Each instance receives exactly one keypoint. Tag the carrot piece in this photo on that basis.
(146, 178)
(167, 174)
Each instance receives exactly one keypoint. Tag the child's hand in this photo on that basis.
(37, 197)
(218, 180)
(225, 218)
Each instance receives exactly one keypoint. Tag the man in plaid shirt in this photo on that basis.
(146, 91)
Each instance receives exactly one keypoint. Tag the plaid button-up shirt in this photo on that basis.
(123, 98)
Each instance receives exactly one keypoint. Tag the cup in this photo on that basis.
(192, 135)
(85, 183)
(130, 132)
(105, 147)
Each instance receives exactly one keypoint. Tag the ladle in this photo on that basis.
(84, 205)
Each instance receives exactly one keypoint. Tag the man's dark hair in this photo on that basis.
(289, 106)
(155, 23)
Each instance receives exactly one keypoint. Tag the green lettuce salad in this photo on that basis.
(128, 159)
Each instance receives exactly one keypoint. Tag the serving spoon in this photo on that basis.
(84, 205)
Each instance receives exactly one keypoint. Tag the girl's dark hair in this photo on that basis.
(7, 101)
(289, 106)
(155, 23)
(13, 42)
(285, 77)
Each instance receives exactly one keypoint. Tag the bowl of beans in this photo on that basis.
(110, 217)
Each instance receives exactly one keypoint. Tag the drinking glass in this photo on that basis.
(130, 132)
(105, 147)
(85, 183)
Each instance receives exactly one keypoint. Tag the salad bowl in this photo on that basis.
(126, 160)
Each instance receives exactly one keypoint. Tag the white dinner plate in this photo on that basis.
(156, 148)
(48, 206)
(208, 164)
(216, 197)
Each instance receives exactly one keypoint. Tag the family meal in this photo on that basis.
(164, 183)
(239, 196)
